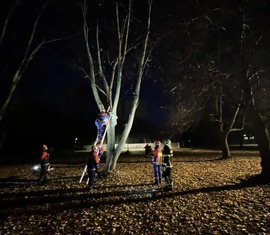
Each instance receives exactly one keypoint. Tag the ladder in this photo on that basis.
(102, 140)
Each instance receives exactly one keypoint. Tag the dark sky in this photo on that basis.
(54, 102)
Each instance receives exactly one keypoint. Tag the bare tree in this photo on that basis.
(112, 83)
(30, 52)
(205, 81)
(251, 78)
(26, 47)
(234, 118)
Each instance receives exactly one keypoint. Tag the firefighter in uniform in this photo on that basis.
(100, 150)
(92, 165)
(157, 163)
(167, 155)
(44, 164)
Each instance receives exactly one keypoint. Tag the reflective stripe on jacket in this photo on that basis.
(157, 159)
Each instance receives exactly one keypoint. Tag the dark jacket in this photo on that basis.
(92, 161)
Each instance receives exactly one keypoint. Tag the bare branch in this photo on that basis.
(3, 32)
(127, 29)
(101, 73)
(28, 56)
(112, 80)
(143, 59)
(84, 7)
(121, 55)
(87, 76)
(32, 35)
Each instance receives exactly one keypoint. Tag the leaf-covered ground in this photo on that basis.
(209, 197)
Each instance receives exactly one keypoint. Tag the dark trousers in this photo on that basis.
(167, 175)
(100, 130)
(43, 174)
(91, 177)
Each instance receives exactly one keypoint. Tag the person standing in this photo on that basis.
(157, 163)
(92, 165)
(44, 164)
(148, 150)
(167, 155)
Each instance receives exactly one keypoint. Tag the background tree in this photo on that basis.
(252, 38)
(202, 72)
(251, 31)
(30, 51)
(24, 32)
(191, 71)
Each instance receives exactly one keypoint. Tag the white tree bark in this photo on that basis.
(116, 78)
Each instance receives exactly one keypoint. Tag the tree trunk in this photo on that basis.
(114, 153)
(262, 137)
(110, 148)
(226, 153)
(126, 132)
(253, 116)
(2, 139)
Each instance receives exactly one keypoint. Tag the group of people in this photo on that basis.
(161, 158)
(93, 159)
(92, 164)
(162, 163)
(97, 150)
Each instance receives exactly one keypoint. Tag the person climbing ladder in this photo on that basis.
(101, 123)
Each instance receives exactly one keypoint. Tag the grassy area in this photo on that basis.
(180, 154)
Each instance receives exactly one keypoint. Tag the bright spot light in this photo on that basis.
(36, 167)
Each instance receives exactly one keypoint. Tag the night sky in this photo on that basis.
(54, 105)
(53, 102)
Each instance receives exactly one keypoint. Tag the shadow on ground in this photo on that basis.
(79, 198)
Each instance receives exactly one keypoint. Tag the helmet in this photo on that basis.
(167, 142)
(94, 147)
(44, 147)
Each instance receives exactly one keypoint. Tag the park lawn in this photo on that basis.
(210, 196)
